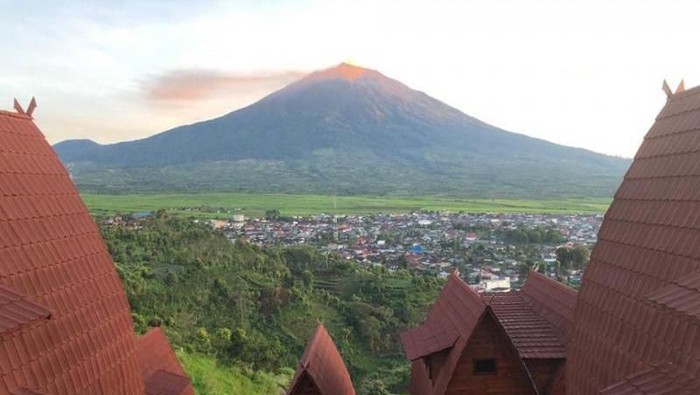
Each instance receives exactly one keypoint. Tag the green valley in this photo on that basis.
(223, 205)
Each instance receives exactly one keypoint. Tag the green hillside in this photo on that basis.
(253, 310)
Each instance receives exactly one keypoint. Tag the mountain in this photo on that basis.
(344, 130)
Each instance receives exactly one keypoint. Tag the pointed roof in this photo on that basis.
(160, 367)
(447, 328)
(52, 254)
(454, 314)
(321, 369)
(637, 307)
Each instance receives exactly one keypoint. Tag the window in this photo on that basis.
(484, 366)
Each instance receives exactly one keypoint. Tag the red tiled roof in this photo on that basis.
(455, 314)
(448, 326)
(538, 318)
(16, 310)
(156, 355)
(163, 382)
(52, 253)
(682, 296)
(664, 379)
(532, 335)
(648, 244)
(26, 391)
(552, 300)
(323, 367)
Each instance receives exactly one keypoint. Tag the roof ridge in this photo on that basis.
(328, 371)
(319, 334)
(16, 115)
(686, 92)
(549, 281)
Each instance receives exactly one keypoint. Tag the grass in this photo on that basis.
(210, 378)
(223, 205)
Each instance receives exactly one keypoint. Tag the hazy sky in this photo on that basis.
(585, 73)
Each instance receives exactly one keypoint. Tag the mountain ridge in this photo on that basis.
(322, 130)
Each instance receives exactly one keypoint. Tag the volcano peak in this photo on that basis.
(343, 71)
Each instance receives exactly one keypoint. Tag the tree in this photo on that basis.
(272, 215)
(307, 278)
(374, 387)
(579, 256)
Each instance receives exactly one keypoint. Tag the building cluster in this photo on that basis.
(425, 241)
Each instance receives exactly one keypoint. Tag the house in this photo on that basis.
(65, 323)
(321, 370)
(637, 320)
(494, 343)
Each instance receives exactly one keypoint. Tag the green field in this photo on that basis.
(210, 378)
(223, 205)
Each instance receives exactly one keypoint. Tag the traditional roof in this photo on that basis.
(447, 329)
(681, 296)
(52, 254)
(554, 301)
(163, 382)
(538, 318)
(160, 368)
(25, 391)
(321, 369)
(637, 305)
(532, 336)
(455, 314)
(16, 310)
(664, 379)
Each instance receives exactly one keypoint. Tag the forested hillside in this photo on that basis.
(254, 309)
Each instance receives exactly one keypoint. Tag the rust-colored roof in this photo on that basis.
(532, 336)
(16, 310)
(554, 301)
(648, 248)
(448, 326)
(51, 252)
(665, 379)
(681, 296)
(156, 358)
(163, 382)
(455, 314)
(322, 368)
(537, 319)
(25, 391)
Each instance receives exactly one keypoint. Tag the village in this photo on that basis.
(492, 251)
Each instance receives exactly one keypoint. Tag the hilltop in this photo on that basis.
(344, 130)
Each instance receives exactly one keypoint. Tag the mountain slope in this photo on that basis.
(345, 130)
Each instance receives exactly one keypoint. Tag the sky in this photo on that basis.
(580, 73)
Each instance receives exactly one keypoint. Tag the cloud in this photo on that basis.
(188, 86)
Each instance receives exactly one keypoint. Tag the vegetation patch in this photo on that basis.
(224, 205)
